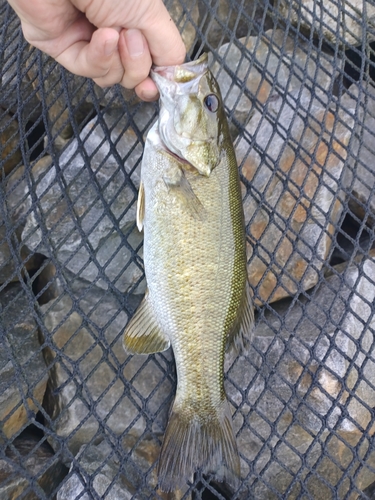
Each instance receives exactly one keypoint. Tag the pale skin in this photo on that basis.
(110, 41)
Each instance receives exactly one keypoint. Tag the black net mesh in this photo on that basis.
(81, 419)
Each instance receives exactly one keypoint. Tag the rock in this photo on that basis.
(91, 229)
(305, 391)
(10, 154)
(186, 17)
(285, 65)
(30, 456)
(222, 19)
(23, 373)
(370, 491)
(45, 285)
(341, 23)
(140, 467)
(94, 387)
(118, 476)
(99, 463)
(18, 266)
(16, 261)
(112, 98)
(352, 240)
(361, 164)
(62, 93)
(294, 187)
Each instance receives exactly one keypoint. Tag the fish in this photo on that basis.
(198, 299)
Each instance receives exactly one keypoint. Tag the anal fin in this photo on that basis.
(241, 335)
(142, 334)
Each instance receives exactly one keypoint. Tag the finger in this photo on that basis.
(147, 90)
(135, 57)
(97, 58)
(163, 38)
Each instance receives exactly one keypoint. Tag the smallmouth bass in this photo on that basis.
(197, 301)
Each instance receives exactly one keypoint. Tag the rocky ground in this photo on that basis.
(81, 419)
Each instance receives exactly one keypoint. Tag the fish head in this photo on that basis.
(191, 114)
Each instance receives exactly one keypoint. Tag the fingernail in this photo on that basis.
(109, 47)
(134, 43)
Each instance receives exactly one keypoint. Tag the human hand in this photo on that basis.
(110, 41)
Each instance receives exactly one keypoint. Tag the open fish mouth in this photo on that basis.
(183, 73)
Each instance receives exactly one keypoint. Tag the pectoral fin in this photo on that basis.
(142, 334)
(183, 191)
(242, 332)
(140, 207)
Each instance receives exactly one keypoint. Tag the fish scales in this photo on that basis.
(195, 264)
(188, 278)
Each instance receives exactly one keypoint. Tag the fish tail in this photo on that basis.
(193, 442)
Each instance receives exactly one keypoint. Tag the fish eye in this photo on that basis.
(211, 102)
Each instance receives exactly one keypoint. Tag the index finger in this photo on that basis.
(163, 38)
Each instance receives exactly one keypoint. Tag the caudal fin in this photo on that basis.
(192, 442)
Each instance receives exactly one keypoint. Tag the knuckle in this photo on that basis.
(106, 77)
(106, 81)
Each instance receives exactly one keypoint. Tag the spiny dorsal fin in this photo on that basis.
(142, 334)
(140, 207)
(242, 332)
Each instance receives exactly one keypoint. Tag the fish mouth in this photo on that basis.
(182, 73)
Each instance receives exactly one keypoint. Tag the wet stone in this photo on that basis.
(23, 373)
(337, 22)
(90, 228)
(267, 67)
(294, 168)
(29, 456)
(94, 387)
(307, 388)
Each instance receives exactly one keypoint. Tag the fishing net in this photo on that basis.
(81, 419)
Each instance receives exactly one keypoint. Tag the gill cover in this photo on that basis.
(190, 111)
